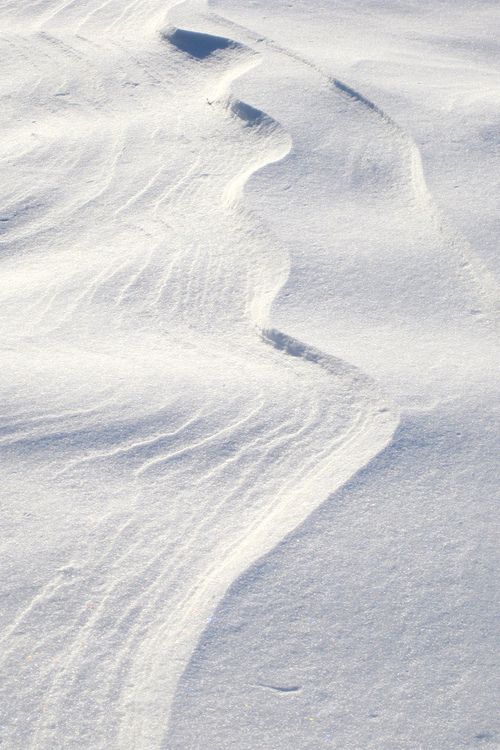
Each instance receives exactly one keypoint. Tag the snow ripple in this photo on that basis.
(159, 433)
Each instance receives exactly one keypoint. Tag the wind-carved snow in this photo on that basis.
(158, 434)
(381, 605)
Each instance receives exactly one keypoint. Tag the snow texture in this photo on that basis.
(250, 404)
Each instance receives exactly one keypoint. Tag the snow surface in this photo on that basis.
(249, 382)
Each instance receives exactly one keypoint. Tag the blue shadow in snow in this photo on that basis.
(196, 44)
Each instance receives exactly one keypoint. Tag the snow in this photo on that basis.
(249, 432)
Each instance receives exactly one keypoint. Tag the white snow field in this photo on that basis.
(249, 376)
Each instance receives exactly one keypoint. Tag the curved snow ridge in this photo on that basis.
(219, 446)
(266, 125)
(256, 118)
(478, 272)
(201, 45)
(336, 462)
(471, 264)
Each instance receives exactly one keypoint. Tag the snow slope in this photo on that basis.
(226, 282)
(374, 625)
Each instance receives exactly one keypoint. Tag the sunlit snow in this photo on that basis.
(249, 383)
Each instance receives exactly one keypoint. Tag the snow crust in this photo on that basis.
(249, 382)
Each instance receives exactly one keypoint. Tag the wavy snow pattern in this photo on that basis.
(477, 272)
(178, 446)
